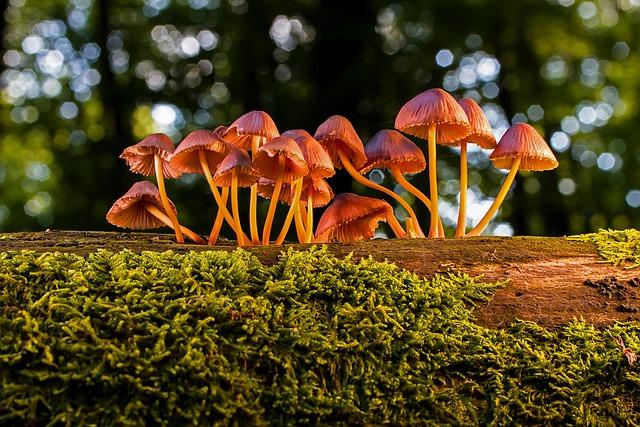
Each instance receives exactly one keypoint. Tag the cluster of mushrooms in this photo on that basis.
(292, 168)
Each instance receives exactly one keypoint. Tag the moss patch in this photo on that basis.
(619, 247)
(218, 337)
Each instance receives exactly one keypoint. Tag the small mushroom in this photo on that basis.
(151, 157)
(389, 149)
(320, 166)
(481, 135)
(521, 147)
(281, 161)
(433, 115)
(339, 138)
(201, 152)
(350, 218)
(236, 171)
(249, 132)
(141, 208)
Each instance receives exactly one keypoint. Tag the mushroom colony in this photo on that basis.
(292, 168)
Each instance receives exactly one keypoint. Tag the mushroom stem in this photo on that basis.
(222, 208)
(292, 209)
(395, 225)
(399, 177)
(309, 235)
(301, 227)
(515, 164)
(364, 181)
(253, 200)
(157, 163)
(217, 224)
(433, 181)
(266, 231)
(164, 218)
(461, 226)
(234, 207)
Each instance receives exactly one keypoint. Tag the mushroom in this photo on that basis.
(481, 135)
(151, 157)
(389, 149)
(280, 160)
(339, 138)
(433, 115)
(521, 147)
(320, 166)
(142, 208)
(201, 152)
(350, 218)
(249, 132)
(236, 171)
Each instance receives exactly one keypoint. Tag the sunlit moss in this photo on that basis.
(620, 247)
(219, 338)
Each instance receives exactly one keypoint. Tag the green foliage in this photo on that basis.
(617, 247)
(219, 338)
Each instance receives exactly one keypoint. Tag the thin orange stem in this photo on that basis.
(433, 181)
(266, 231)
(292, 210)
(309, 236)
(234, 207)
(301, 227)
(461, 226)
(395, 225)
(217, 224)
(478, 229)
(157, 163)
(165, 219)
(253, 200)
(364, 181)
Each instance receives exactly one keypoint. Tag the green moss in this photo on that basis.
(119, 338)
(619, 247)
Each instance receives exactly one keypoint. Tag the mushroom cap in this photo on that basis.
(322, 193)
(481, 132)
(129, 212)
(433, 107)
(140, 156)
(317, 158)
(523, 140)
(337, 133)
(390, 147)
(186, 158)
(254, 123)
(267, 157)
(237, 160)
(350, 218)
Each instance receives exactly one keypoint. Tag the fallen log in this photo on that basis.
(549, 280)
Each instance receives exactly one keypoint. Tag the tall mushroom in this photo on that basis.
(236, 171)
(249, 132)
(281, 161)
(520, 148)
(141, 208)
(151, 157)
(389, 149)
(320, 166)
(201, 152)
(481, 135)
(339, 138)
(433, 115)
(350, 218)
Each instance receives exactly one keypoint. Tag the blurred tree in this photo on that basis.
(82, 79)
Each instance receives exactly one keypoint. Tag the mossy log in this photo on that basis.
(545, 275)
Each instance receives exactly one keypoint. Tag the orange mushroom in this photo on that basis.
(389, 149)
(280, 160)
(433, 115)
(201, 152)
(350, 218)
(481, 135)
(249, 132)
(521, 147)
(339, 138)
(151, 157)
(236, 171)
(142, 208)
(320, 166)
